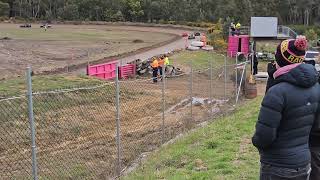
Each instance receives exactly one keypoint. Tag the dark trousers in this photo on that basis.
(233, 31)
(161, 72)
(315, 164)
(255, 68)
(268, 172)
(155, 75)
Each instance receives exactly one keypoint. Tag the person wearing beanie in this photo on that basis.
(287, 115)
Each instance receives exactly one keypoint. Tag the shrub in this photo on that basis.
(311, 35)
(301, 29)
(216, 36)
(3, 18)
(205, 25)
(161, 21)
(172, 22)
(220, 44)
(189, 23)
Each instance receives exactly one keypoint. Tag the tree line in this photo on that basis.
(288, 11)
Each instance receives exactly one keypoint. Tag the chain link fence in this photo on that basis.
(15, 144)
(97, 132)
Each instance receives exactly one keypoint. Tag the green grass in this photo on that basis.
(223, 148)
(17, 86)
(267, 46)
(200, 59)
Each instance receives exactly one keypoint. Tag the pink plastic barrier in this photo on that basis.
(103, 71)
(233, 45)
(127, 70)
(245, 44)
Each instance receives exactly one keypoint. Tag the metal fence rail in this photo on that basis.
(97, 132)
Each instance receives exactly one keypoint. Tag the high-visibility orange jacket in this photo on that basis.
(161, 62)
(155, 63)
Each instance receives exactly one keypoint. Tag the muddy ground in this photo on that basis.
(68, 45)
(76, 130)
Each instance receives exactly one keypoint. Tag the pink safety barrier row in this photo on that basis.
(233, 45)
(127, 71)
(107, 71)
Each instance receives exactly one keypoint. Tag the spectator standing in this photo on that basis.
(287, 115)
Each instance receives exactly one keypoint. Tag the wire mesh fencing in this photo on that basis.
(75, 133)
(141, 118)
(97, 132)
(177, 106)
(15, 144)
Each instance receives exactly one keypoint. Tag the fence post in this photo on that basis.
(225, 78)
(163, 102)
(88, 64)
(118, 121)
(32, 125)
(190, 91)
(241, 80)
(211, 88)
(88, 54)
(236, 78)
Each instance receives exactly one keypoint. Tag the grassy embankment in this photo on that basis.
(221, 150)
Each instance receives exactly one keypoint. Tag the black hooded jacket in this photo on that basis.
(286, 117)
(271, 70)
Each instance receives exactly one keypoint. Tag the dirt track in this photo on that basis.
(68, 45)
(146, 53)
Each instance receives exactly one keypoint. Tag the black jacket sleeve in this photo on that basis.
(271, 81)
(269, 119)
(271, 69)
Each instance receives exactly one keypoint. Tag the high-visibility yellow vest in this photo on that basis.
(166, 61)
(238, 26)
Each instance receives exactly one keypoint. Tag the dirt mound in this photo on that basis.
(138, 41)
(5, 38)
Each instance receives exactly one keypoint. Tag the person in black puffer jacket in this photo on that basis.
(287, 115)
(315, 150)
